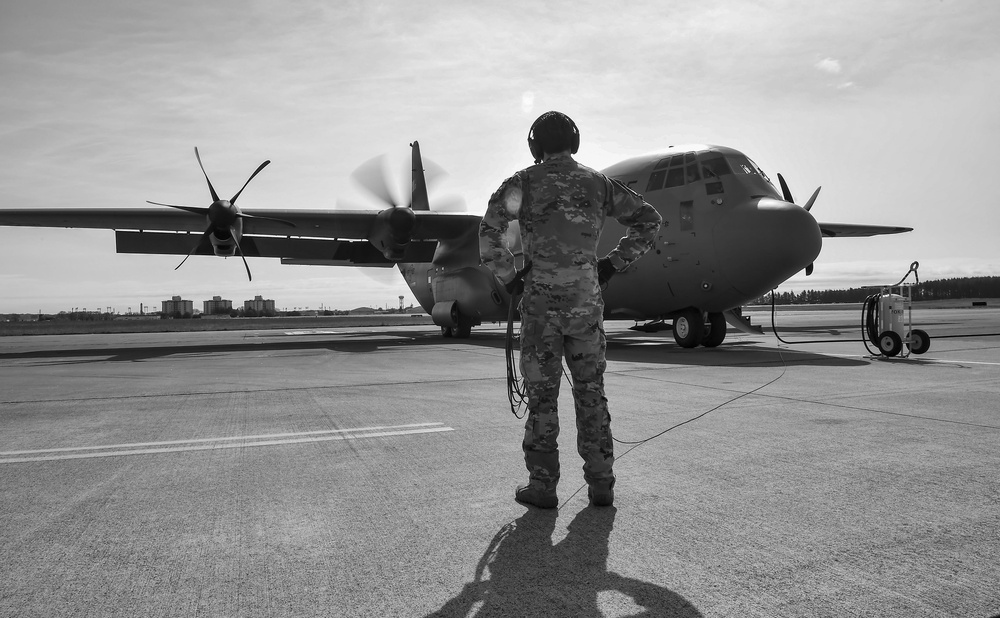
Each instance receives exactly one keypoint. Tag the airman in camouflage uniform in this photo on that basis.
(561, 206)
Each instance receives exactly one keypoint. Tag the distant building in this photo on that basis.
(217, 305)
(259, 306)
(177, 305)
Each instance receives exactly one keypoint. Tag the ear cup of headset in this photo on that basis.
(552, 125)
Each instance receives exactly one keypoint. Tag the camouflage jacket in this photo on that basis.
(561, 207)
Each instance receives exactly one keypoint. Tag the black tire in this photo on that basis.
(446, 331)
(463, 330)
(890, 343)
(715, 330)
(920, 342)
(689, 328)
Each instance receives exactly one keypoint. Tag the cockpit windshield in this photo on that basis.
(680, 169)
(714, 166)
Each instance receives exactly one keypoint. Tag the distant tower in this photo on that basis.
(401, 304)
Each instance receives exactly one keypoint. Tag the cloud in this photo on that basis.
(829, 65)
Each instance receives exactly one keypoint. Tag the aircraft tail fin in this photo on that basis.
(418, 200)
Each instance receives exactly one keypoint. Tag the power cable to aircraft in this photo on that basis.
(869, 315)
(516, 393)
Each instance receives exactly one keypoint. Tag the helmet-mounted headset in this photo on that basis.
(553, 132)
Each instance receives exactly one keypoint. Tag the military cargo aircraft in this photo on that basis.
(728, 237)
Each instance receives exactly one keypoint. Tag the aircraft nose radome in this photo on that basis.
(761, 244)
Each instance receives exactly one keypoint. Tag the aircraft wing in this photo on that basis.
(329, 236)
(852, 230)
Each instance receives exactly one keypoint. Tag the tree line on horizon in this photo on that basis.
(938, 289)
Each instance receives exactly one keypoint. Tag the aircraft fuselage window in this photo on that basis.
(687, 216)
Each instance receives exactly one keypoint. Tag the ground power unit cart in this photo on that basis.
(887, 320)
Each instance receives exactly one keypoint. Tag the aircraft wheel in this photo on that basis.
(920, 342)
(463, 330)
(446, 331)
(689, 328)
(715, 330)
(890, 343)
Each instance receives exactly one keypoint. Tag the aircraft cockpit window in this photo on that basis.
(675, 177)
(656, 180)
(680, 169)
(759, 171)
(715, 167)
(742, 165)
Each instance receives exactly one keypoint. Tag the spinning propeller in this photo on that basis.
(373, 176)
(223, 216)
(787, 194)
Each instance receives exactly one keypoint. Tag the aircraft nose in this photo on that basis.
(761, 244)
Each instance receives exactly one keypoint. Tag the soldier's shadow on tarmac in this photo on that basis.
(523, 573)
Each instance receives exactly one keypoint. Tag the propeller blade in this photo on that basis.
(812, 199)
(198, 210)
(371, 176)
(433, 172)
(215, 196)
(244, 215)
(257, 171)
(232, 232)
(784, 189)
(195, 247)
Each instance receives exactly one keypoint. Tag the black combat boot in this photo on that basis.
(536, 496)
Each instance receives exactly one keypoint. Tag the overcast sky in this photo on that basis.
(890, 106)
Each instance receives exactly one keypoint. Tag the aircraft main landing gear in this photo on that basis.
(691, 329)
(462, 331)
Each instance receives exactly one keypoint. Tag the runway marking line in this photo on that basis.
(207, 444)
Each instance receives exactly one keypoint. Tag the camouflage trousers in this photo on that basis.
(544, 343)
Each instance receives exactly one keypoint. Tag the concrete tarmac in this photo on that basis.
(370, 472)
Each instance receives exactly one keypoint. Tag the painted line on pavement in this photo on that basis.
(208, 444)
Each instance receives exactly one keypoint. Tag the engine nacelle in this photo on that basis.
(392, 231)
(223, 243)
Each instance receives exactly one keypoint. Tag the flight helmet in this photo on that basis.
(553, 132)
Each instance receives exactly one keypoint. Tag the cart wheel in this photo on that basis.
(920, 342)
(890, 343)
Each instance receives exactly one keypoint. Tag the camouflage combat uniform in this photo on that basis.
(561, 206)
